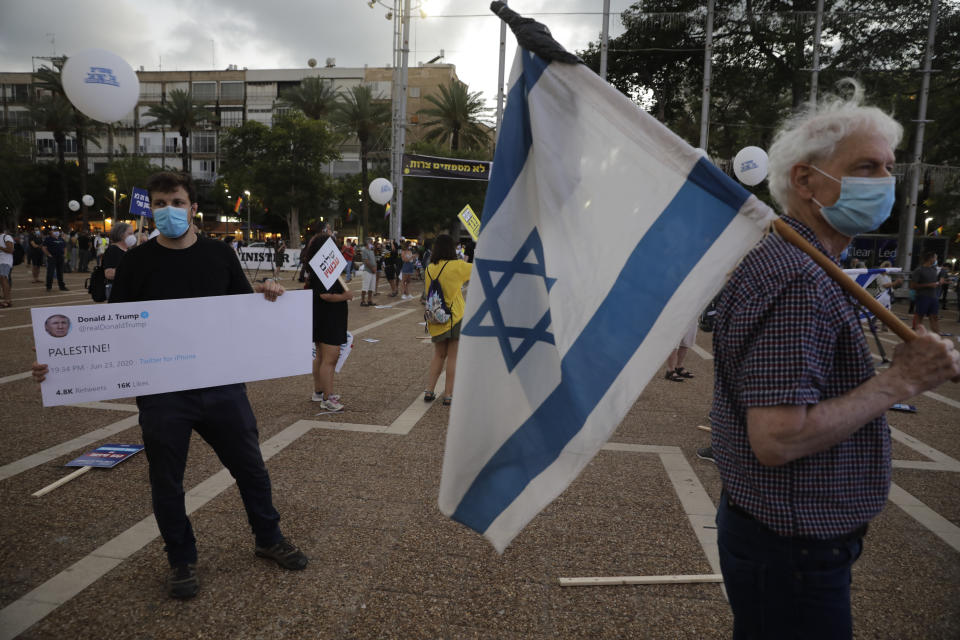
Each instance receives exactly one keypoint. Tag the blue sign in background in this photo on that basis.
(140, 203)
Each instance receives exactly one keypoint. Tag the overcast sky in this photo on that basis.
(269, 34)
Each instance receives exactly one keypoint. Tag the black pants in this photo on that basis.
(55, 266)
(223, 417)
(784, 587)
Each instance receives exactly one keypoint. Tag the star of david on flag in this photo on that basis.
(523, 337)
(603, 235)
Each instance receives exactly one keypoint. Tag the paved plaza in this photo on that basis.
(358, 490)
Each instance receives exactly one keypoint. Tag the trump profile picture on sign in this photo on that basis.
(57, 325)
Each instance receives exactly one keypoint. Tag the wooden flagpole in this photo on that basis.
(846, 283)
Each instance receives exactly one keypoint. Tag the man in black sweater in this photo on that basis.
(180, 264)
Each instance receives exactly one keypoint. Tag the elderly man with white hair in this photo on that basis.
(799, 433)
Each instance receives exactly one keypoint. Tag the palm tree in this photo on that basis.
(315, 97)
(356, 112)
(455, 115)
(180, 112)
(50, 80)
(54, 113)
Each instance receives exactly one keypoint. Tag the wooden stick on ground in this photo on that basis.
(62, 481)
(704, 428)
(614, 580)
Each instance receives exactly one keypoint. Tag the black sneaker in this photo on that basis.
(183, 583)
(64, 289)
(706, 453)
(285, 554)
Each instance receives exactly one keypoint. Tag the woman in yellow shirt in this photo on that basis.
(451, 273)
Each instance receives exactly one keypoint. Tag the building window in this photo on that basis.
(231, 91)
(16, 92)
(170, 87)
(262, 89)
(172, 145)
(413, 92)
(204, 142)
(205, 91)
(231, 117)
(18, 119)
(150, 91)
(48, 146)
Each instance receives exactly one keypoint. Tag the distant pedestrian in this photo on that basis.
(451, 273)
(926, 282)
(279, 256)
(369, 262)
(83, 251)
(6, 266)
(407, 269)
(329, 330)
(35, 254)
(54, 248)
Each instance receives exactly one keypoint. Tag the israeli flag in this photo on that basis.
(604, 235)
(865, 277)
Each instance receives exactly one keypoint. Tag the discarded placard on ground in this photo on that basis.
(906, 408)
(105, 457)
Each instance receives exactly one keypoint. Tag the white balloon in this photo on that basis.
(74, 205)
(381, 191)
(87, 200)
(750, 165)
(100, 84)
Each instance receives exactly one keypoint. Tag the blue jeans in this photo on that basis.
(223, 417)
(784, 587)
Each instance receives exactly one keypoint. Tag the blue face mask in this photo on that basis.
(172, 222)
(864, 204)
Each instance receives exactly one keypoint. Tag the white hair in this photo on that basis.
(814, 132)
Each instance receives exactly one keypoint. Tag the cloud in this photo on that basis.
(258, 34)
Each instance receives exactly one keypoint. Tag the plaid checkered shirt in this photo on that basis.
(786, 334)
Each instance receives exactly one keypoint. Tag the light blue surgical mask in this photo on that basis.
(864, 204)
(172, 222)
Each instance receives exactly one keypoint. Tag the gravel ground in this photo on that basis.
(384, 562)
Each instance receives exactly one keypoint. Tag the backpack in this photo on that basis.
(707, 320)
(96, 284)
(436, 310)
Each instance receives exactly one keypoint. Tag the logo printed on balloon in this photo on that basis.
(381, 191)
(101, 75)
(750, 165)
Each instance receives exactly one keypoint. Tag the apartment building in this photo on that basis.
(233, 95)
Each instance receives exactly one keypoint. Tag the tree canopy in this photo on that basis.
(285, 165)
(761, 68)
(315, 97)
(181, 113)
(358, 113)
(454, 118)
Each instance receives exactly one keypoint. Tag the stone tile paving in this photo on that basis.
(386, 564)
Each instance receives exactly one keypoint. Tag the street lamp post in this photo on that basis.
(926, 225)
(249, 218)
(113, 190)
(400, 14)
